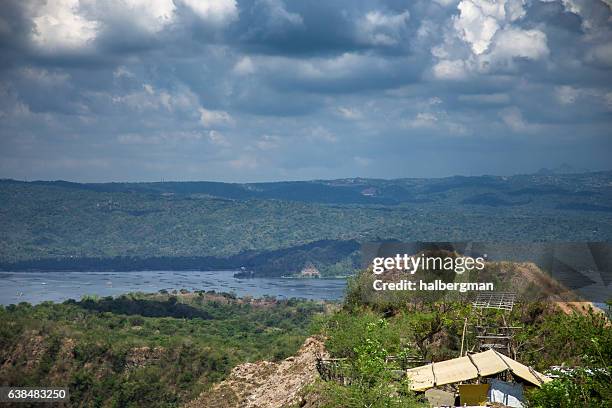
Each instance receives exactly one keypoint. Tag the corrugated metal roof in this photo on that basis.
(482, 364)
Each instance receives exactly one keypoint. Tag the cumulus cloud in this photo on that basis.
(566, 95)
(601, 54)
(244, 66)
(476, 25)
(594, 98)
(153, 99)
(123, 72)
(479, 20)
(44, 77)
(268, 142)
(261, 89)
(349, 113)
(423, 119)
(446, 3)
(592, 13)
(73, 25)
(217, 12)
(493, 37)
(210, 118)
(453, 70)
(278, 14)
(512, 43)
(146, 16)
(513, 118)
(217, 138)
(59, 26)
(378, 28)
(321, 134)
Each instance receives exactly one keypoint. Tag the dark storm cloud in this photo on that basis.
(325, 28)
(268, 89)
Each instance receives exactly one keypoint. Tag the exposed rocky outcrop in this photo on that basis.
(266, 384)
(141, 356)
(27, 353)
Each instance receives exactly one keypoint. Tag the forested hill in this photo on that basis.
(275, 228)
(372, 191)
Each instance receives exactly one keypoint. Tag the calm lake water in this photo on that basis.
(36, 287)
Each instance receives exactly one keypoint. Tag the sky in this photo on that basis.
(265, 90)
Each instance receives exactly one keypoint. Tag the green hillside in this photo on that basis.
(144, 350)
(169, 223)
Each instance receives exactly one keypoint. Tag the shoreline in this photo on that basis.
(36, 287)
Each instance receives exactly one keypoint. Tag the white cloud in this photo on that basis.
(319, 133)
(44, 77)
(566, 95)
(592, 12)
(475, 26)
(601, 55)
(592, 97)
(493, 40)
(349, 113)
(149, 15)
(346, 65)
(479, 20)
(377, 28)
(268, 142)
(148, 89)
(151, 99)
(244, 66)
(70, 25)
(446, 3)
(513, 118)
(123, 72)
(58, 26)
(218, 139)
(216, 12)
(278, 14)
(146, 16)
(438, 122)
(11, 106)
(451, 70)
(210, 118)
(423, 119)
(512, 42)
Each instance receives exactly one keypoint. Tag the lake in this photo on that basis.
(36, 287)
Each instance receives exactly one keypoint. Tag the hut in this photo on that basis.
(479, 378)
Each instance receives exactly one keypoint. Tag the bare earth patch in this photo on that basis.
(265, 384)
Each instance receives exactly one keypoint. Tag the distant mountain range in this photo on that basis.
(562, 169)
(360, 190)
(275, 228)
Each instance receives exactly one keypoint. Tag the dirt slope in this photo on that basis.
(265, 384)
(548, 289)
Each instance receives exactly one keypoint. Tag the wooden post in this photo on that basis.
(463, 336)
